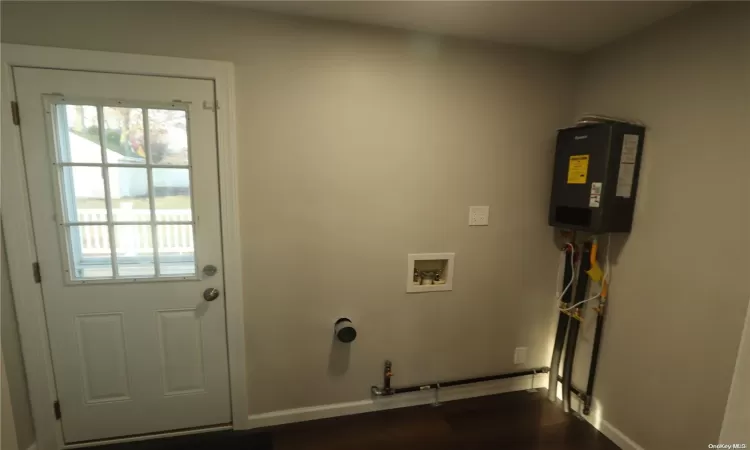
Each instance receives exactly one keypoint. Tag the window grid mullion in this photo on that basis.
(107, 195)
(124, 165)
(151, 195)
(124, 222)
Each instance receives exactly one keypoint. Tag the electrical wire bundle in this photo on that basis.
(604, 280)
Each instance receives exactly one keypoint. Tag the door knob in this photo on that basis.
(210, 294)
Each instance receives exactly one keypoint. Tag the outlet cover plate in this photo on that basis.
(519, 356)
(479, 216)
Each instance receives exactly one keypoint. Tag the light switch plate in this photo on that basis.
(519, 356)
(479, 216)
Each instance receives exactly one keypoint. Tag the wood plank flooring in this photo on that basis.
(513, 421)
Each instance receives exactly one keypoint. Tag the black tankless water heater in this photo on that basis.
(595, 178)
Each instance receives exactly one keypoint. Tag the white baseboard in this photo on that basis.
(595, 419)
(397, 401)
(618, 437)
(148, 437)
(427, 397)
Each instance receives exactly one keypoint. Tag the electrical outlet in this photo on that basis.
(479, 216)
(519, 356)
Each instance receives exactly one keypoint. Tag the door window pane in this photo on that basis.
(142, 207)
(123, 134)
(83, 194)
(135, 251)
(167, 136)
(90, 254)
(128, 189)
(78, 134)
(172, 195)
(176, 250)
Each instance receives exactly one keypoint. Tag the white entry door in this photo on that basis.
(123, 182)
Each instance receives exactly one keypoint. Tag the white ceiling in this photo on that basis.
(572, 26)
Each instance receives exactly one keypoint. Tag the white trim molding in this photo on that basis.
(597, 421)
(444, 395)
(398, 401)
(19, 228)
(147, 437)
(618, 437)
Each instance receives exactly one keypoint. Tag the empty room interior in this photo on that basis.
(300, 225)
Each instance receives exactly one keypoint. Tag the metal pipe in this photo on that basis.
(594, 360)
(424, 387)
(562, 329)
(502, 376)
(570, 351)
(570, 345)
(562, 326)
(575, 390)
(387, 374)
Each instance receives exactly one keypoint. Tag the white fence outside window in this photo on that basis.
(172, 238)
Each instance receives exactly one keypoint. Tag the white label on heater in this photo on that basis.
(594, 201)
(596, 189)
(627, 165)
(625, 180)
(629, 149)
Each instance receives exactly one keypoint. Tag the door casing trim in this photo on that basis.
(18, 227)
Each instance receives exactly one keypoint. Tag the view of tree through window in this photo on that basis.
(124, 132)
(167, 133)
(123, 128)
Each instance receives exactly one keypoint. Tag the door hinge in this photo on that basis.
(58, 411)
(14, 112)
(37, 272)
(211, 105)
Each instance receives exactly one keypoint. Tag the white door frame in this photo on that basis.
(18, 227)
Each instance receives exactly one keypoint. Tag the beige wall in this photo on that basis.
(357, 146)
(16, 411)
(680, 290)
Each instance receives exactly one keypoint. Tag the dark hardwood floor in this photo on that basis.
(514, 421)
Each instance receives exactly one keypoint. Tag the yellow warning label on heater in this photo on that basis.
(577, 169)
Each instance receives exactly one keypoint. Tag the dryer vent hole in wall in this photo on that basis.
(344, 330)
